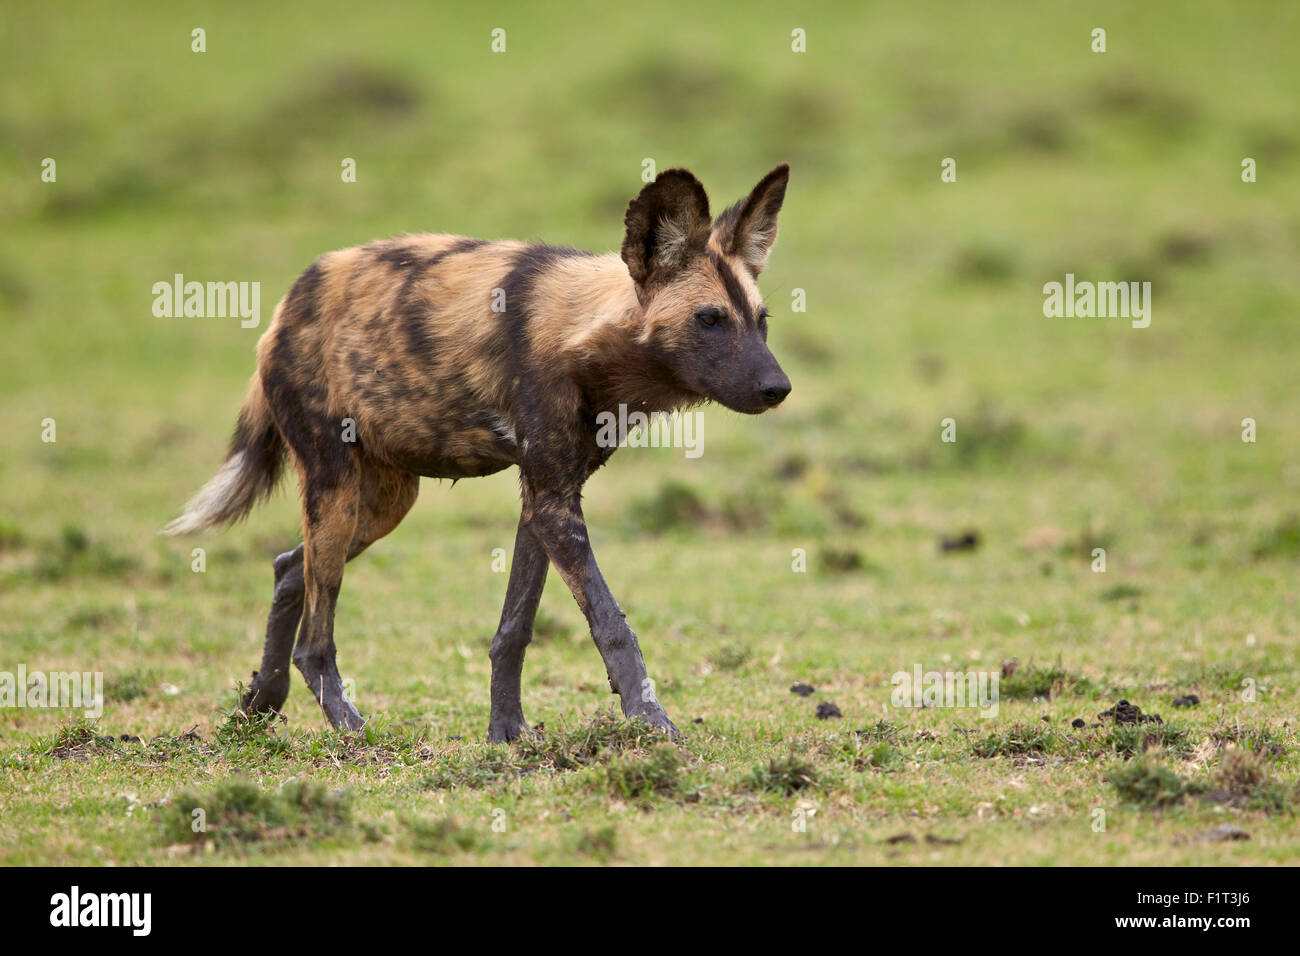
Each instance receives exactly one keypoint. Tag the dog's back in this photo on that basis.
(418, 341)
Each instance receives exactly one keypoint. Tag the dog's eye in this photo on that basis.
(709, 316)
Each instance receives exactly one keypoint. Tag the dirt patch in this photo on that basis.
(841, 560)
(1126, 713)
(78, 742)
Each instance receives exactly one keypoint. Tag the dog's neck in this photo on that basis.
(606, 349)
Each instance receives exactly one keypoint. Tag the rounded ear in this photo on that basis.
(748, 228)
(667, 225)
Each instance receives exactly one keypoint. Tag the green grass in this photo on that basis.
(924, 302)
(239, 813)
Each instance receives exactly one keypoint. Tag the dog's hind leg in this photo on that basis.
(270, 685)
(341, 522)
(330, 521)
(527, 579)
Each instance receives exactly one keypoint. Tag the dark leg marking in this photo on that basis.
(527, 579)
(270, 684)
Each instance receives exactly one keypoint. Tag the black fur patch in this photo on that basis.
(399, 257)
(524, 270)
(517, 285)
(300, 304)
(413, 313)
(735, 292)
(307, 426)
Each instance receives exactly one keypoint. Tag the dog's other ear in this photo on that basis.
(667, 225)
(748, 228)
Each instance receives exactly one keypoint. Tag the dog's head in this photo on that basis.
(703, 316)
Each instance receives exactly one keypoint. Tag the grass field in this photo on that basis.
(924, 302)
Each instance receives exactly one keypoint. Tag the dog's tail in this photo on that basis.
(249, 474)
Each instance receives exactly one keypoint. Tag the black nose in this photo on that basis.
(775, 394)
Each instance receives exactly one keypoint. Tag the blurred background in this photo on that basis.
(924, 302)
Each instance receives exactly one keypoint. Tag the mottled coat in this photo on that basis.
(446, 357)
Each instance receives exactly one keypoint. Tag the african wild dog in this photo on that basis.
(402, 337)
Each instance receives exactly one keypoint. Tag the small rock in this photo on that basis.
(967, 541)
(803, 690)
(826, 710)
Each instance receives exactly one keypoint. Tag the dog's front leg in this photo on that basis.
(556, 519)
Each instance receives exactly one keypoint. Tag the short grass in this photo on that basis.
(924, 302)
